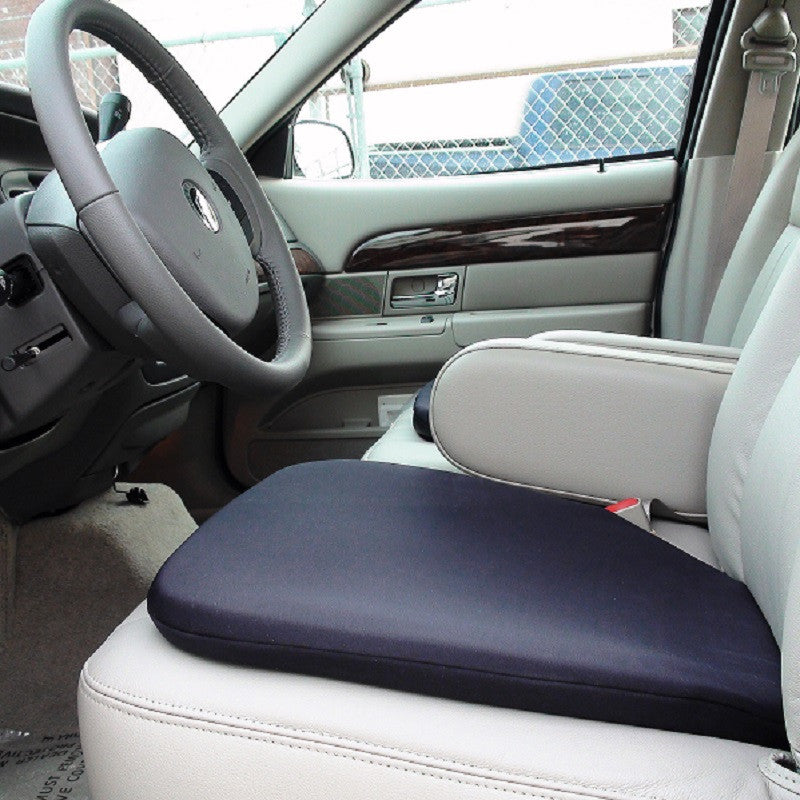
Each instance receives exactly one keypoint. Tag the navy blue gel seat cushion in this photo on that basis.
(458, 587)
(422, 412)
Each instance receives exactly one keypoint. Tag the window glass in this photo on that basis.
(460, 87)
(220, 44)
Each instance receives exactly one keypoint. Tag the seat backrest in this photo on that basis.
(754, 478)
(754, 460)
(750, 458)
(764, 248)
(763, 281)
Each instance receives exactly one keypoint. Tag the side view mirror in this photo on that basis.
(322, 150)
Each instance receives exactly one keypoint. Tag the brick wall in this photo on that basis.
(14, 16)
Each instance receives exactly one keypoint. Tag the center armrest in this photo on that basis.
(645, 344)
(592, 420)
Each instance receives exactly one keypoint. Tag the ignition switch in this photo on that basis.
(18, 282)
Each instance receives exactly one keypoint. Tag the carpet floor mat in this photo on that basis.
(35, 766)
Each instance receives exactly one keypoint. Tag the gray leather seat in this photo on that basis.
(767, 243)
(708, 434)
(157, 722)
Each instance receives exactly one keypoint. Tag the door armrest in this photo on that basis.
(589, 420)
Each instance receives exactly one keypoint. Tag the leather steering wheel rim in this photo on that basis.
(162, 314)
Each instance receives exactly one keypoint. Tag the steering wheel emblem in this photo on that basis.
(202, 206)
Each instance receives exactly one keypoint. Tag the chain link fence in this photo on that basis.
(580, 114)
(568, 116)
(688, 25)
(93, 76)
(221, 59)
(585, 113)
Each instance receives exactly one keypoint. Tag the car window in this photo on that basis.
(220, 49)
(459, 87)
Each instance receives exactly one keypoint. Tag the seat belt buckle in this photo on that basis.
(771, 60)
(633, 510)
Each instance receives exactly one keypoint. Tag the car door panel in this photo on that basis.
(626, 278)
(333, 218)
(570, 234)
(476, 326)
(569, 247)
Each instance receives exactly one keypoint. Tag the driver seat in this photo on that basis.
(357, 630)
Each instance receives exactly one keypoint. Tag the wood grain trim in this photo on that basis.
(606, 232)
(306, 263)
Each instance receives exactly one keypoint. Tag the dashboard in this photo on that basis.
(77, 410)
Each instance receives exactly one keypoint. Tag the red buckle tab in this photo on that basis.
(623, 505)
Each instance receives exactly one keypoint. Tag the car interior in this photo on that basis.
(399, 399)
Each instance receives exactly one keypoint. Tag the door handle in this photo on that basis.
(443, 294)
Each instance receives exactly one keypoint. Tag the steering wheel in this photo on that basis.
(165, 222)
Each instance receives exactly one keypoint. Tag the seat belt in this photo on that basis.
(640, 512)
(768, 54)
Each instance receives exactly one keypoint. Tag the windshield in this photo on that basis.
(221, 44)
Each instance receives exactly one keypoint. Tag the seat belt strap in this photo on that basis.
(640, 512)
(768, 54)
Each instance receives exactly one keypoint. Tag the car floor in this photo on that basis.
(65, 582)
(34, 766)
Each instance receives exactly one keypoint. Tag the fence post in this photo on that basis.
(354, 82)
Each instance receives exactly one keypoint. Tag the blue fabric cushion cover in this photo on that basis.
(458, 587)
(422, 412)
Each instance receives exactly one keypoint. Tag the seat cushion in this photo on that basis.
(161, 724)
(692, 539)
(422, 412)
(458, 587)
